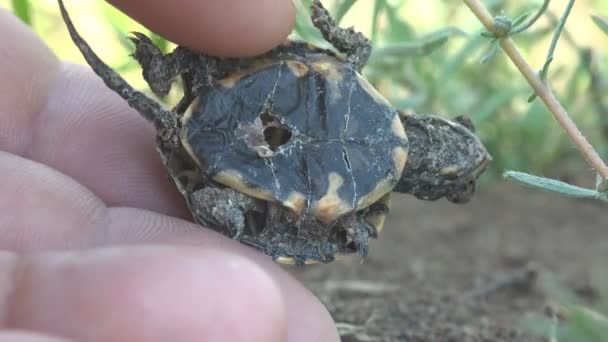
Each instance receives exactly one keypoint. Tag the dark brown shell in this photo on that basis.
(345, 147)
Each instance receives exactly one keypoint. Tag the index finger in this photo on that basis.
(216, 27)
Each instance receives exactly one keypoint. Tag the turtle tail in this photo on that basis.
(147, 107)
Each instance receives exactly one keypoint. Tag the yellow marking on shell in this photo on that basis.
(287, 42)
(299, 69)
(397, 128)
(377, 219)
(399, 159)
(183, 134)
(449, 170)
(232, 79)
(333, 74)
(329, 69)
(183, 137)
(406, 113)
(382, 188)
(188, 113)
(295, 201)
(233, 179)
(372, 91)
(331, 206)
(311, 46)
(292, 261)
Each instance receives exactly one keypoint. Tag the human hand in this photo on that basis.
(94, 242)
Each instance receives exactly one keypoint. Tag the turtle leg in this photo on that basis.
(353, 44)
(188, 96)
(164, 120)
(160, 70)
(232, 213)
(358, 232)
(223, 210)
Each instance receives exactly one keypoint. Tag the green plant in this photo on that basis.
(500, 29)
(23, 9)
(569, 318)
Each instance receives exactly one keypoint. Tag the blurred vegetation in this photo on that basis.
(571, 317)
(427, 59)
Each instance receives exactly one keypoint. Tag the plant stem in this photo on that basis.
(555, 39)
(542, 90)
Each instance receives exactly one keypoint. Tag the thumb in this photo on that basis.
(146, 293)
(226, 27)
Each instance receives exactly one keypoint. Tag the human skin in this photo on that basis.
(95, 241)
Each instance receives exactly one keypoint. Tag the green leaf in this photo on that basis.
(341, 8)
(601, 184)
(419, 47)
(545, 69)
(519, 25)
(553, 185)
(23, 10)
(491, 105)
(159, 41)
(539, 325)
(303, 27)
(601, 22)
(120, 25)
(397, 29)
(588, 323)
(454, 63)
(379, 7)
(519, 20)
(492, 51)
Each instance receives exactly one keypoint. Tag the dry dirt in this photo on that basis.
(431, 274)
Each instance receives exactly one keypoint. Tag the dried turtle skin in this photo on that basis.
(293, 152)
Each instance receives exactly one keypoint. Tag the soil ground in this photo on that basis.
(430, 274)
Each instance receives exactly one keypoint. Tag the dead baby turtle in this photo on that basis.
(293, 152)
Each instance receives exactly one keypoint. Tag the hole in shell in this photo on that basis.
(276, 136)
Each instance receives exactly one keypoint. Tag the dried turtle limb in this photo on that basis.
(354, 45)
(444, 160)
(147, 107)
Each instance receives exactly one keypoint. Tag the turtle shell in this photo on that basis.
(302, 129)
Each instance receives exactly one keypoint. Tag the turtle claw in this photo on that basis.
(359, 235)
(158, 70)
(466, 122)
(138, 36)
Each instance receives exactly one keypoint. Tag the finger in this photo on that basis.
(89, 133)
(28, 70)
(65, 117)
(23, 336)
(307, 318)
(227, 27)
(43, 209)
(152, 293)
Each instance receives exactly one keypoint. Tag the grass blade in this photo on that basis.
(23, 10)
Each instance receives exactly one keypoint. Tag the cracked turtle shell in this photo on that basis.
(303, 129)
